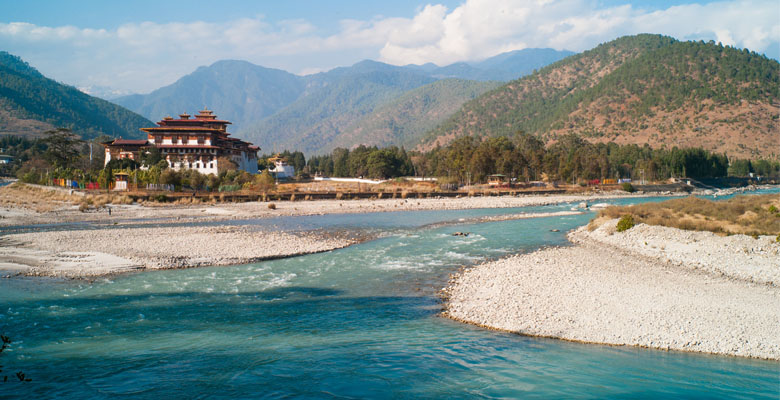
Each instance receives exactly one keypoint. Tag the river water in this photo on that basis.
(360, 322)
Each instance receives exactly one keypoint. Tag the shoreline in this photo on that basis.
(65, 213)
(95, 252)
(87, 254)
(627, 298)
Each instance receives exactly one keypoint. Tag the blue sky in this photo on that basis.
(138, 46)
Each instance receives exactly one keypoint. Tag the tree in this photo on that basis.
(226, 164)
(151, 156)
(265, 181)
(62, 147)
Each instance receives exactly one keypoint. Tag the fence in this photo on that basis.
(69, 183)
(229, 188)
(160, 186)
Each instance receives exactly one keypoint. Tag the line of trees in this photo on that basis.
(61, 155)
(525, 157)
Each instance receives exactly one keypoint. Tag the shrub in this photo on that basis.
(628, 187)
(773, 209)
(625, 223)
(272, 206)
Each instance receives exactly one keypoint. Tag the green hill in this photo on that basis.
(31, 104)
(404, 121)
(638, 89)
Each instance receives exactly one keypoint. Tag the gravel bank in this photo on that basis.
(10, 215)
(89, 253)
(738, 256)
(599, 293)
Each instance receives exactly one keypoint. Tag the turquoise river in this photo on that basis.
(360, 322)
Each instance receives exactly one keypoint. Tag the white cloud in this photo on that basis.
(144, 56)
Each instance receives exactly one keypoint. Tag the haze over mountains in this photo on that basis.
(31, 104)
(279, 110)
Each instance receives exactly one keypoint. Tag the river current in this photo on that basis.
(360, 322)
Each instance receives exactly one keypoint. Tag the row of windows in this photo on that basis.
(204, 151)
(195, 164)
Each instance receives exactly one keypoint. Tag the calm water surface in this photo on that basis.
(354, 323)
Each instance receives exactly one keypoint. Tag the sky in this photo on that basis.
(141, 45)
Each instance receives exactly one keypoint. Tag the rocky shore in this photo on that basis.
(11, 215)
(98, 252)
(689, 291)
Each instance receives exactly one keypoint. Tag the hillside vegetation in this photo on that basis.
(31, 104)
(638, 89)
(313, 121)
(405, 120)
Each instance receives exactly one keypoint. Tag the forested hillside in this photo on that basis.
(639, 89)
(31, 104)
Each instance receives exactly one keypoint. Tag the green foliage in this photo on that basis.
(27, 94)
(265, 182)
(628, 187)
(122, 163)
(368, 162)
(5, 342)
(152, 156)
(773, 209)
(625, 223)
(571, 159)
(62, 146)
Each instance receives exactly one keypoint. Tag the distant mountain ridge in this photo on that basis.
(638, 89)
(276, 109)
(238, 91)
(31, 104)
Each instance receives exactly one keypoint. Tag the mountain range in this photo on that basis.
(278, 110)
(31, 104)
(643, 89)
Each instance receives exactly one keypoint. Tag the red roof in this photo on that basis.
(186, 146)
(129, 142)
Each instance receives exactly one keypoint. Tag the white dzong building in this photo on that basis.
(193, 143)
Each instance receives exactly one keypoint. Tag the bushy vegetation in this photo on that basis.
(61, 155)
(625, 223)
(368, 162)
(525, 157)
(750, 215)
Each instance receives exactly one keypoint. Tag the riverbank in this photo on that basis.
(34, 209)
(650, 286)
(108, 248)
(100, 252)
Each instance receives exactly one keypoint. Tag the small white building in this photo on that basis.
(281, 169)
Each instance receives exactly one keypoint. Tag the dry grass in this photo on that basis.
(46, 199)
(750, 215)
(39, 199)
